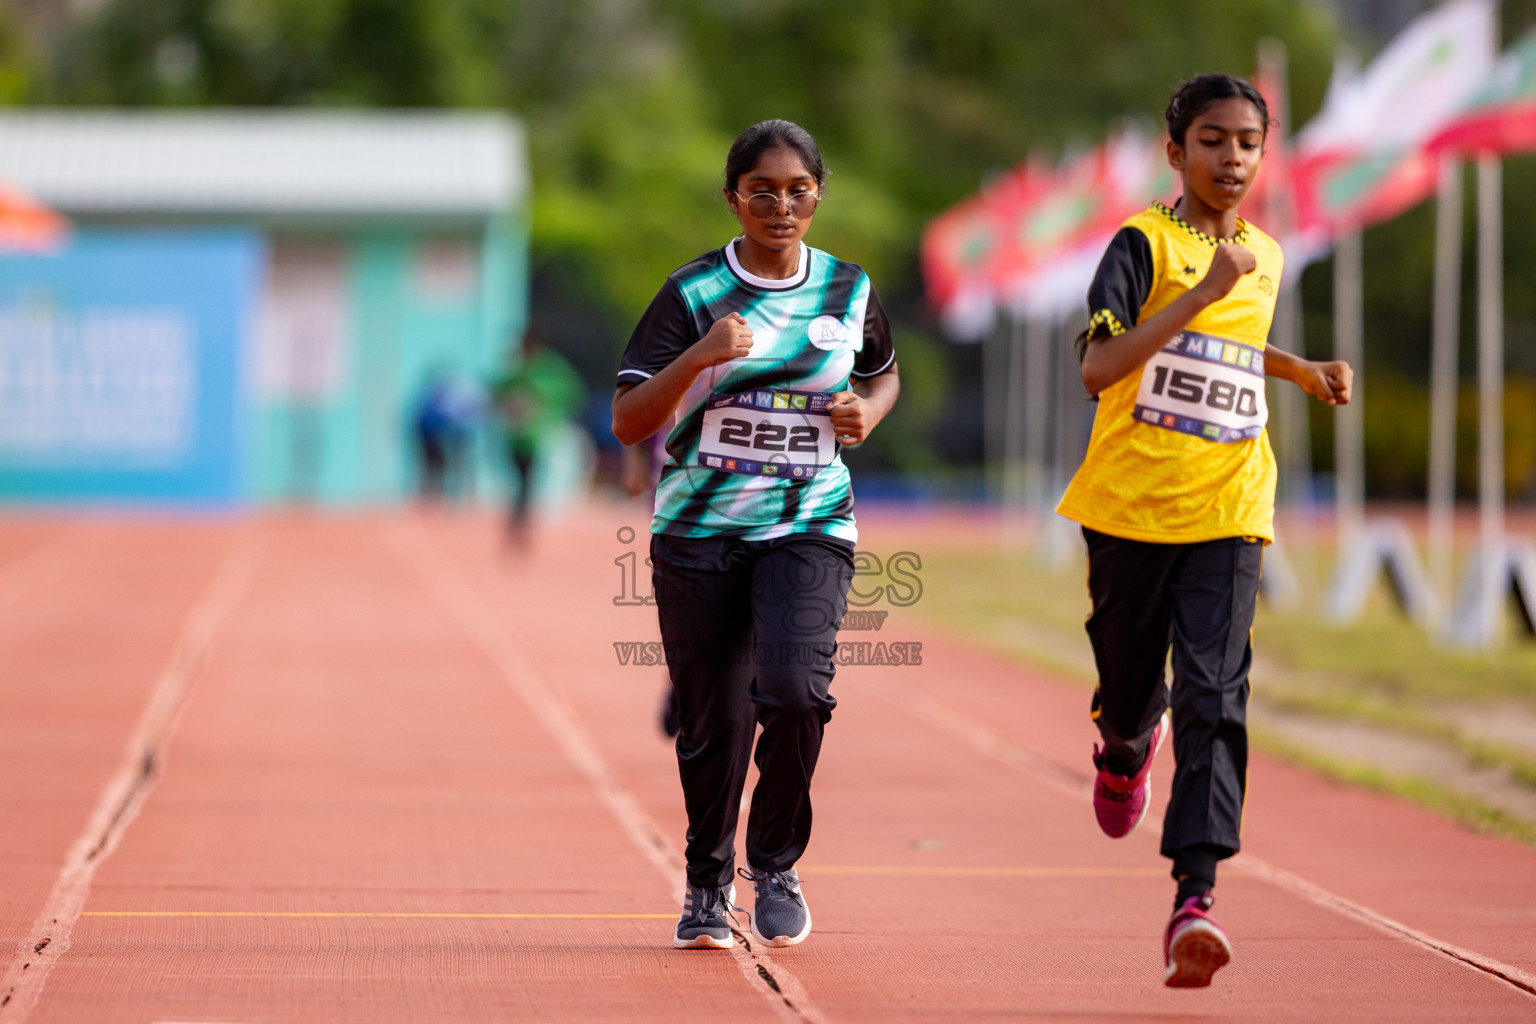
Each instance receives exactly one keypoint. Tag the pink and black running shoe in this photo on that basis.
(1194, 946)
(1120, 802)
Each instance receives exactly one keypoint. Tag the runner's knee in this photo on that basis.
(789, 689)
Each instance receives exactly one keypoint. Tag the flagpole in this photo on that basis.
(1490, 401)
(1069, 384)
(1443, 376)
(1037, 407)
(1015, 471)
(1349, 423)
(1295, 432)
(1059, 539)
(994, 354)
(1292, 428)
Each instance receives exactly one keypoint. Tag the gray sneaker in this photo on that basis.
(780, 916)
(706, 920)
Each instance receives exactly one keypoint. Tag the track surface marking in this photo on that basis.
(784, 993)
(351, 747)
(125, 792)
(413, 782)
(928, 709)
(1023, 708)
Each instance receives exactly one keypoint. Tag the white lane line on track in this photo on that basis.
(125, 792)
(929, 709)
(508, 651)
(279, 915)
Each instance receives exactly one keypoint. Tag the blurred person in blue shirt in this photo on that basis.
(443, 424)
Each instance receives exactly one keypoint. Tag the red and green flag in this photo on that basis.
(956, 256)
(1014, 200)
(1063, 231)
(1501, 118)
(1362, 159)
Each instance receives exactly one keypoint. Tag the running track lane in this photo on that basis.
(355, 744)
(88, 616)
(394, 835)
(892, 776)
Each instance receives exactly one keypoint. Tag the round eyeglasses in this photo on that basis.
(765, 205)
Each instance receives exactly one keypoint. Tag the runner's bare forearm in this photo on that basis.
(879, 394)
(1283, 365)
(639, 410)
(1109, 359)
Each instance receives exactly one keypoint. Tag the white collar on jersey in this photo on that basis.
(770, 284)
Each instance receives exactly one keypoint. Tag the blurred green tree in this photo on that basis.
(16, 60)
(631, 105)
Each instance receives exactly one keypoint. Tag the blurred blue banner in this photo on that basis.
(122, 367)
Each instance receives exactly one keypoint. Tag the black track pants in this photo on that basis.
(1198, 598)
(750, 630)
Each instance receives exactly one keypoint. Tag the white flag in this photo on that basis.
(1414, 87)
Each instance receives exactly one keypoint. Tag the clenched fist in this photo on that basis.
(1228, 266)
(1332, 381)
(729, 338)
(850, 424)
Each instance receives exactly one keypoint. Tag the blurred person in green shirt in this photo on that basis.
(535, 398)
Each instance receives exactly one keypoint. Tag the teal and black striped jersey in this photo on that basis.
(728, 472)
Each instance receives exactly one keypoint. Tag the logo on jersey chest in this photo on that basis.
(827, 333)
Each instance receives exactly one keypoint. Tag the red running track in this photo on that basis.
(379, 769)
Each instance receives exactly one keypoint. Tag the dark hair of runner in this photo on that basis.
(751, 144)
(1195, 94)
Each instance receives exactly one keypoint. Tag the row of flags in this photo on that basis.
(1028, 242)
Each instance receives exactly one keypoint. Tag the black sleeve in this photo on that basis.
(663, 333)
(1121, 284)
(878, 354)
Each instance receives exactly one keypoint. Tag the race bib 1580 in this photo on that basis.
(768, 433)
(1206, 386)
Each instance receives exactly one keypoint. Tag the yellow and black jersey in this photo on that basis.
(1178, 452)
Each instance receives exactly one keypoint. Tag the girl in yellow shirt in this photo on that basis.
(1176, 496)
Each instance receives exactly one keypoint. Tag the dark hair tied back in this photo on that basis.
(1195, 94)
(751, 144)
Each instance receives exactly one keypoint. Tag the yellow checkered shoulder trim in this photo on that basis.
(1104, 318)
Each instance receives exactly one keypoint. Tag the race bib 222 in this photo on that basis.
(768, 432)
